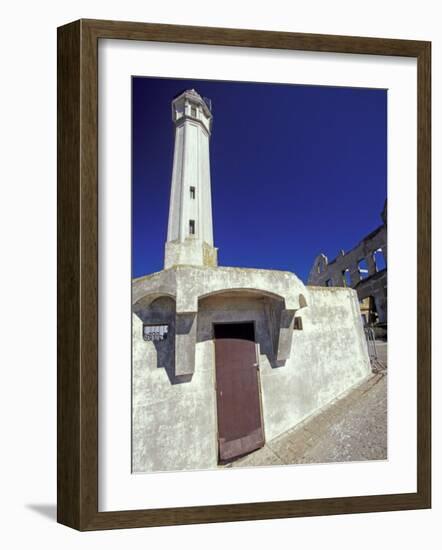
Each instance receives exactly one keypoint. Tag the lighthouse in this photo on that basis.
(226, 358)
(190, 227)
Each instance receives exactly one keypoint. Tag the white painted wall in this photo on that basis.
(328, 356)
(175, 424)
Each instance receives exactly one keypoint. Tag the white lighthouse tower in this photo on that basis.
(190, 228)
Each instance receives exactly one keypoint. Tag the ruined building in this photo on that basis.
(225, 358)
(363, 268)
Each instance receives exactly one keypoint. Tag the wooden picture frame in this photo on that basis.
(77, 461)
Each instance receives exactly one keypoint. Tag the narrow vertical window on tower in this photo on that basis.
(192, 192)
(193, 111)
(191, 227)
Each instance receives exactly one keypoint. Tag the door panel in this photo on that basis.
(238, 400)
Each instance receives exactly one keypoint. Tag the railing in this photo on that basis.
(371, 342)
(376, 365)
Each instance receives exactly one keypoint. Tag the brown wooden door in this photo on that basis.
(238, 400)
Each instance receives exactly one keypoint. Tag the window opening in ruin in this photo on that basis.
(192, 227)
(192, 192)
(368, 311)
(346, 277)
(363, 268)
(379, 259)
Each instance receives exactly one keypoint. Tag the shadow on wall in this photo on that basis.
(223, 308)
(162, 312)
(216, 309)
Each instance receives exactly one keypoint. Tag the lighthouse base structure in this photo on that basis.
(190, 252)
(310, 348)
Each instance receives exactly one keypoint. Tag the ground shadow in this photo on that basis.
(48, 511)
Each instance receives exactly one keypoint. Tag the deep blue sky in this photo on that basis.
(296, 170)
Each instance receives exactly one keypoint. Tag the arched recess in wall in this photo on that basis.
(241, 292)
(154, 306)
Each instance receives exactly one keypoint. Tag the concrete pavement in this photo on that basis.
(350, 428)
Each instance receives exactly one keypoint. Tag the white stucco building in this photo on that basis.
(225, 358)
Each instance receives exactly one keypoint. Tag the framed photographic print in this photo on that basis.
(244, 275)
